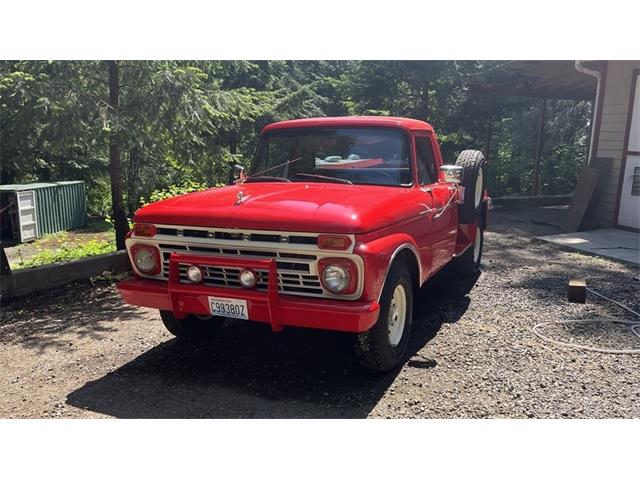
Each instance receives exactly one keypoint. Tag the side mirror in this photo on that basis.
(236, 174)
(451, 174)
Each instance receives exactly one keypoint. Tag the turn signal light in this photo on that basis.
(334, 242)
(144, 230)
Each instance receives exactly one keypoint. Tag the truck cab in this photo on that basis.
(336, 225)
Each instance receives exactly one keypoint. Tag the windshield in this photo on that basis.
(372, 156)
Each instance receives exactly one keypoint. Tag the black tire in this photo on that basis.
(373, 347)
(468, 264)
(192, 328)
(474, 164)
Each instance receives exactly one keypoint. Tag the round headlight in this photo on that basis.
(247, 278)
(335, 278)
(145, 260)
(194, 274)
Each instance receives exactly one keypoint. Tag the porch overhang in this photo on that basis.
(553, 79)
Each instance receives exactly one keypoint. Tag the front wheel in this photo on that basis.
(193, 328)
(468, 264)
(383, 346)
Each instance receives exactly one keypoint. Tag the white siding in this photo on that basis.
(615, 109)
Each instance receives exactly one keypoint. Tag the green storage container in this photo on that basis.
(59, 206)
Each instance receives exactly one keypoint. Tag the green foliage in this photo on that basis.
(172, 191)
(186, 122)
(99, 198)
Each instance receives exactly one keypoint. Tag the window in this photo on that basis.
(370, 155)
(426, 161)
(635, 186)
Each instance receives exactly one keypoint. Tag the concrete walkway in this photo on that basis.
(607, 242)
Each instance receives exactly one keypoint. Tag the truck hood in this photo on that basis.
(294, 207)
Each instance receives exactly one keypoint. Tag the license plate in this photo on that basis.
(229, 307)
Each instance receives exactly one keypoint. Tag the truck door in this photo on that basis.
(441, 219)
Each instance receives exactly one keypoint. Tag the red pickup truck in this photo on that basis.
(336, 225)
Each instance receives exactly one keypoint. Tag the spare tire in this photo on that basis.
(473, 181)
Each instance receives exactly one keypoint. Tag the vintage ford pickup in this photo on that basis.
(336, 225)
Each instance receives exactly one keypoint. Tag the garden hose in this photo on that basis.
(633, 324)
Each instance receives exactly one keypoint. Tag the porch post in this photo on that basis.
(539, 144)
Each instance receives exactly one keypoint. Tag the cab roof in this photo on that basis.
(362, 121)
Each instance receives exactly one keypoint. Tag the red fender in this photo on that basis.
(378, 255)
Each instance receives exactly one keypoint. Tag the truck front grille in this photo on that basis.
(296, 272)
(228, 277)
(296, 256)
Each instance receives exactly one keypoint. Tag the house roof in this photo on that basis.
(540, 78)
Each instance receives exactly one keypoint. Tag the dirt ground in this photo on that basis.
(80, 352)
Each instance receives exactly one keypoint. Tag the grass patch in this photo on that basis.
(66, 253)
(96, 238)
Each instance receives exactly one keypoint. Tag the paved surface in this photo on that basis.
(607, 242)
(80, 352)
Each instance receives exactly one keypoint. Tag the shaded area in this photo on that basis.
(88, 309)
(472, 353)
(526, 221)
(251, 373)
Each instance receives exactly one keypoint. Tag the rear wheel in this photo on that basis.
(383, 346)
(193, 328)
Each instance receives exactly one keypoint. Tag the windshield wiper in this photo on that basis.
(265, 178)
(323, 177)
(261, 174)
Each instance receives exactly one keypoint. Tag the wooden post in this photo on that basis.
(539, 145)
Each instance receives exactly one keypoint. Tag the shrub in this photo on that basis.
(99, 198)
(174, 190)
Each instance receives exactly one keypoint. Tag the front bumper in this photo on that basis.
(267, 307)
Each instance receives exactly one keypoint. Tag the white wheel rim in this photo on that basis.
(477, 244)
(478, 188)
(397, 315)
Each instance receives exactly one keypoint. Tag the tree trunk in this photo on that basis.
(487, 144)
(233, 141)
(133, 173)
(120, 221)
(5, 268)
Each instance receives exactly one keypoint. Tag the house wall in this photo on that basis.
(611, 132)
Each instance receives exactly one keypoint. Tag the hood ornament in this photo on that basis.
(239, 197)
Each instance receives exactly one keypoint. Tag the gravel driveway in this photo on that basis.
(79, 352)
